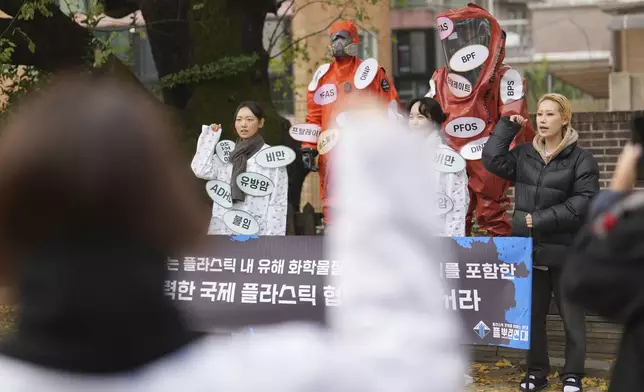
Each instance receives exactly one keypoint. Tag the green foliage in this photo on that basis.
(221, 69)
(537, 84)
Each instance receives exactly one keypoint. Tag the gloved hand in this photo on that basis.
(308, 158)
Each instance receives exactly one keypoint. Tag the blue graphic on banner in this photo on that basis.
(243, 238)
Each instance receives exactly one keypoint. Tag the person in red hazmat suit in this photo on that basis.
(335, 89)
(476, 89)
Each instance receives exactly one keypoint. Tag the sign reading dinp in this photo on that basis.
(240, 282)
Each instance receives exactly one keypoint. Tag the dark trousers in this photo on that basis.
(544, 283)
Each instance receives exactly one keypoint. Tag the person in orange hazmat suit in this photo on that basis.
(476, 89)
(335, 88)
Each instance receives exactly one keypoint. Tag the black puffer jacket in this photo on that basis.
(556, 191)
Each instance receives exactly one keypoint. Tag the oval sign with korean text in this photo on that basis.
(443, 203)
(328, 139)
(241, 222)
(445, 27)
(366, 73)
(321, 71)
(448, 160)
(274, 157)
(223, 149)
(511, 86)
(219, 192)
(465, 127)
(459, 85)
(473, 150)
(326, 94)
(469, 58)
(307, 133)
(255, 184)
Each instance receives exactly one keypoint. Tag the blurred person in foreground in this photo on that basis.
(605, 269)
(94, 195)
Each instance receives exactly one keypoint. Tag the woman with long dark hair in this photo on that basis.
(268, 210)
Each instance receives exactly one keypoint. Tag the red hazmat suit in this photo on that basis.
(475, 89)
(334, 86)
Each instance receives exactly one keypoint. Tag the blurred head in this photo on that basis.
(553, 115)
(344, 40)
(425, 114)
(88, 160)
(249, 118)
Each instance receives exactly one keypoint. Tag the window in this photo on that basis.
(414, 61)
(368, 44)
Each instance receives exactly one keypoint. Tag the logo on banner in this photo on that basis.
(481, 329)
(458, 85)
(326, 94)
(465, 127)
(511, 86)
(445, 27)
(223, 149)
(473, 151)
(469, 58)
(274, 157)
(255, 184)
(307, 133)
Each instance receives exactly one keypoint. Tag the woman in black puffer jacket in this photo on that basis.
(554, 181)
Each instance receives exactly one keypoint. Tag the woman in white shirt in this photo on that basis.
(453, 198)
(269, 211)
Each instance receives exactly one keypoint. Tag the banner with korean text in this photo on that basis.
(239, 282)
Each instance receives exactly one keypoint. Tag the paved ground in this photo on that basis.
(503, 377)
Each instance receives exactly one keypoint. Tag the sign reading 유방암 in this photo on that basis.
(255, 184)
(231, 283)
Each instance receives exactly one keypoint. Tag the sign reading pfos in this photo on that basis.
(469, 58)
(223, 149)
(255, 184)
(465, 127)
(473, 150)
(274, 157)
(307, 133)
(459, 85)
(241, 222)
(219, 192)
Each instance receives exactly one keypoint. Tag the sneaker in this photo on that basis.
(572, 384)
(533, 384)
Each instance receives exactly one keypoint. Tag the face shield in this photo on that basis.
(466, 44)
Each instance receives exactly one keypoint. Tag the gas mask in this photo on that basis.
(467, 48)
(342, 45)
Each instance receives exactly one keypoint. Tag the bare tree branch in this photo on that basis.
(297, 41)
(272, 43)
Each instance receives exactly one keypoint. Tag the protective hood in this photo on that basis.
(473, 44)
(344, 39)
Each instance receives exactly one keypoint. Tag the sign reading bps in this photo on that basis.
(231, 283)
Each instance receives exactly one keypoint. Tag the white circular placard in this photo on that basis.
(307, 133)
(328, 139)
(458, 85)
(465, 127)
(448, 160)
(255, 184)
(219, 192)
(469, 58)
(326, 94)
(241, 222)
(223, 149)
(445, 27)
(473, 150)
(274, 157)
(365, 74)
(321, 71)
(511, 86)
(443, 203)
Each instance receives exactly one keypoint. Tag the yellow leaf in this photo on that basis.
(504, 363)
